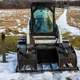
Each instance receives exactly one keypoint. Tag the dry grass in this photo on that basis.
(73, 17)
(12, 18)
(58, 12)
(74, 40)
(9, 44)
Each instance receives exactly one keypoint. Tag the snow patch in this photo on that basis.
(65, 27)
(2, 30)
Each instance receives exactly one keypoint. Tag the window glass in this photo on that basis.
(43, 20)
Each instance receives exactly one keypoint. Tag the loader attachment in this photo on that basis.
(53, 57)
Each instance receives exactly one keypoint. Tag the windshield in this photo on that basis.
(43, 20)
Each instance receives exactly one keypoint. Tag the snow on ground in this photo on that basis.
(11, 65)
(7, 71)
(62, 23)
(2, 30)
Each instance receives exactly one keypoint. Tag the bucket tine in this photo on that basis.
(41, 66)
(51, 67)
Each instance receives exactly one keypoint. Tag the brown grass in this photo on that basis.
(9, 44)
(74, 40)
(73, 18)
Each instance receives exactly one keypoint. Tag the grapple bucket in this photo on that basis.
(49, 58)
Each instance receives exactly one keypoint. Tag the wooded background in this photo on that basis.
(20, 4)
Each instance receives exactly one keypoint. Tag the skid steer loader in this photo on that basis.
(46, 51)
